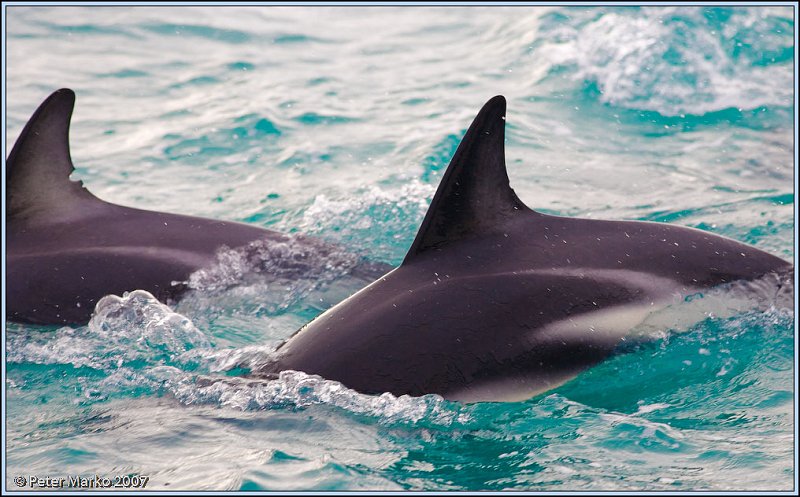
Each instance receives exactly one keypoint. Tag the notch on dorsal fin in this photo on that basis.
(474, 194)
(39, 166)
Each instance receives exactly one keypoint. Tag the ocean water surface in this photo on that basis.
(338, 123)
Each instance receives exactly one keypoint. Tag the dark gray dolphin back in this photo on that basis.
(474, 195)
(39, 166)
(66, 248)
(495, 301)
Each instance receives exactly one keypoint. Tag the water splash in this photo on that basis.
(292, 258)
(676, 61)
(133, 328)
(296, 389)
(142, 347)
(397, 211)
(138, 317)
(270, 277)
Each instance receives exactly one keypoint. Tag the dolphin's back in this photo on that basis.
(57, 271)
(419, 332)
(495, 301)
(67, 248)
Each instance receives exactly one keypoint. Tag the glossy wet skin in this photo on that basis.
(504, 304)
(480, 312)
(58, 271)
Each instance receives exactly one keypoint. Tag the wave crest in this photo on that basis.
(678, 60)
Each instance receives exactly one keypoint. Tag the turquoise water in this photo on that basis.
(338, 122)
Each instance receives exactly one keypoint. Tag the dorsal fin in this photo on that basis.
(474, 194)
(39, 165)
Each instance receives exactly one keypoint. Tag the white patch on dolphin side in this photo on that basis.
(607, 328)
(640, 321)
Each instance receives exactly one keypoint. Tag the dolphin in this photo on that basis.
(497, 302)
(66, 248)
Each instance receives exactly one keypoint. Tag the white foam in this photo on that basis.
(672, 60)
(298, 389)
(290, 258)
(355, 217)
(268, 277)
(133, 327)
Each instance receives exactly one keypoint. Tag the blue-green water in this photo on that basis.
(338, 122)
